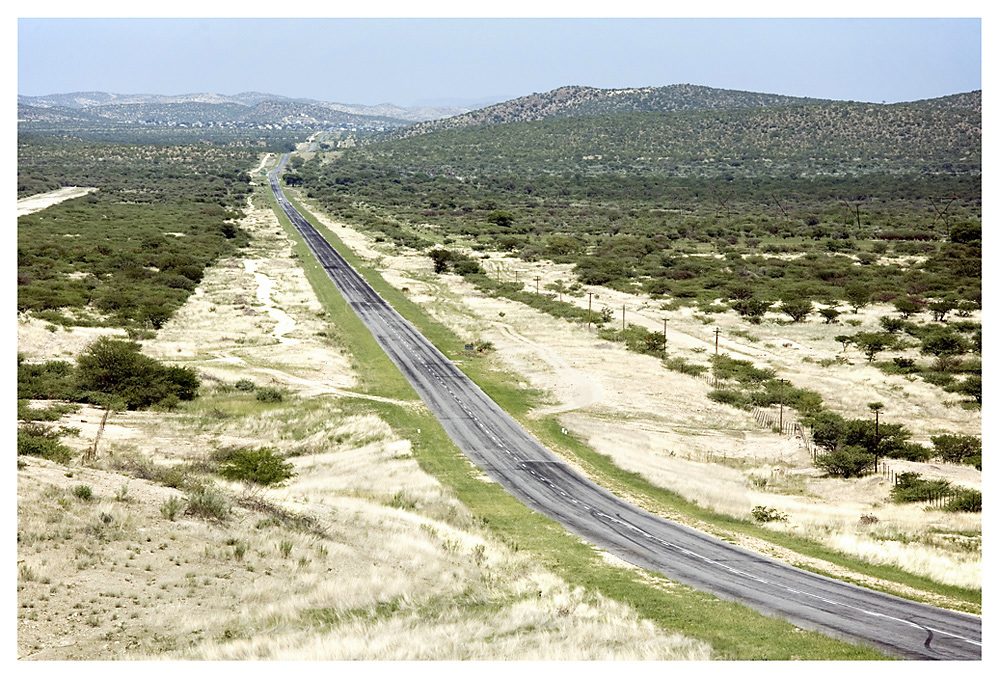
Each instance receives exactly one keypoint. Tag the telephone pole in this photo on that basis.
(537, 278)
(715, 363)
(590, 302)
(781, 412)
(876, 408)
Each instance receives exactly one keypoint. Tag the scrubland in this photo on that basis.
(660, 423)
(143, 554)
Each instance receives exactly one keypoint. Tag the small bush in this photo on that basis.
(966, 500)
(868, 520)
(39, 440)
(208, 503)
(762, 514)
(681, 365)
(256, 467)
(270, 395)
(83, 492)
(171, 507)
(910, 487)
(914, 452)
(730, 397)
(846, 462)
(245, 385)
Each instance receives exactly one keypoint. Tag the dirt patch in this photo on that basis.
(29, 204)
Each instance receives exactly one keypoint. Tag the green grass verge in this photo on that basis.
(734, 631)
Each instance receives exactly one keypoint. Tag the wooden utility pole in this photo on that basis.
(781, 411)
(92, 453)
(537, 278)
(623, 318)
(715, 363)
(590, 303)
(876, 408)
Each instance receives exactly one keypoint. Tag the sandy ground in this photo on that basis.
(660, 423)
(389, 564)
(25, 206)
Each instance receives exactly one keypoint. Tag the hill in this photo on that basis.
(766, 140)
(578, 101)
(205, 109)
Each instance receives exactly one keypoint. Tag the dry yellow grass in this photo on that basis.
(361, 556)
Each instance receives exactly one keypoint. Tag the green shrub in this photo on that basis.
(681, 365)
(245, 385)
(270, 395)
(256, 467)
(910, 487)
(958, 449)
(966, 500)
(730, 397)
(914, 452)
(846, 462)
(51, 414)
(83, 492)
(50, 380)
(39, 440)
(208, 503)
(762, 514)
(117, 370)
(170, 508)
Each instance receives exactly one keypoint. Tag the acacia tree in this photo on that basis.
(941, 308)
(946, 346)
(752, 309)
(872, 343)
(857, 296)
(796, 308)
(115, 373)
(907, 306)
(829, 314)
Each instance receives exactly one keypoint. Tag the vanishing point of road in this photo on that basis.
(530, 472)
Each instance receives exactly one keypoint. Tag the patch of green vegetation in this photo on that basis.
(110, 373)
(131, 253)
(40, 440)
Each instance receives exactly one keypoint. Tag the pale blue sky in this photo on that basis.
(405, 61)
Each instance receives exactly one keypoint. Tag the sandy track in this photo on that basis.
(25, 206)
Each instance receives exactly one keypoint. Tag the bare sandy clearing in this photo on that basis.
(30, 204)
(42, 341)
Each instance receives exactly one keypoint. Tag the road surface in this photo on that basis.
(533, 474)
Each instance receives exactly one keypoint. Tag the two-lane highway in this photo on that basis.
(533, 474)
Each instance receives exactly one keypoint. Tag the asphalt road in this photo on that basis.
(530, 472)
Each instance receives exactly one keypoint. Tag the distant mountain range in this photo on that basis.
(257, 109)
(205, 109)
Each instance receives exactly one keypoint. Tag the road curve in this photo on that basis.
(533, 474)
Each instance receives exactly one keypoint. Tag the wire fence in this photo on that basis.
(786, 424)
(938, 499)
